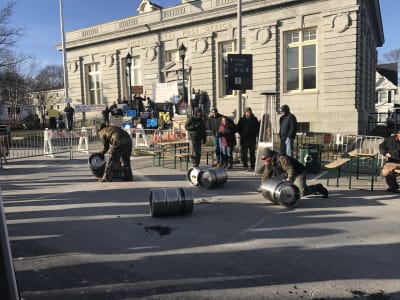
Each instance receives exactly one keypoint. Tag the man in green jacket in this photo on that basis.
(196, 129)
(119, 143)
(282, 165)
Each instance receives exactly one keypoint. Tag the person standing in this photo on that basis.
(226, 131)
(390, 148)
(196, 129)
(287, 130)
(248, 128)
(53, 114)
(213, 123)
(194, 101)
(119, 142)
(279, 165)
(69, 113)
(106, 115)
(204, 102)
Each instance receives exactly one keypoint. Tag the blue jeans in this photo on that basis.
(287, 146)
(217, 147)
(227, 157)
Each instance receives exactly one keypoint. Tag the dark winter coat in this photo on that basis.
(288, 126)
(227, 134)
(283, 165)
(196, 128)
(392, 146)
(213, 123)
(248, 129)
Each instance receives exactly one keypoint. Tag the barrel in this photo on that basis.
(170, 201)
(207, 177)
(280, 192)
(97, 163)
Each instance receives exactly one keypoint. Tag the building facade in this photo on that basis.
(318, 55)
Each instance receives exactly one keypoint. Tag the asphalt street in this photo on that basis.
(75, 238)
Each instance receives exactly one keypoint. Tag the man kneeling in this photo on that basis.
(282, 165)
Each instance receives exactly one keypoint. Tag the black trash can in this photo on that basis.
(170, 201)
(310, 157)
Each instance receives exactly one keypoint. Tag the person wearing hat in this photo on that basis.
(119, 142)
(282, 165)
(287, 130)
(213, 123)
(196, 129)
(248, 128)
(390, 148)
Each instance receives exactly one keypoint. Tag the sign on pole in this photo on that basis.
(240, 72)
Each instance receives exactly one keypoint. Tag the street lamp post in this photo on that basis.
(182, 54)
(129, 64)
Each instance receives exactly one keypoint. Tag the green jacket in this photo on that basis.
(196, 128)
(115, 136)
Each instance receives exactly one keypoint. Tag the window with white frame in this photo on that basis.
(225, 48)
(301, 60)
(94, 89)
(171, 56)
(135, 73)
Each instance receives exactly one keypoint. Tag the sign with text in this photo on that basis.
(165, 92)
(240, 71)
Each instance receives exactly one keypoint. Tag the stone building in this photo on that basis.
(318, 55)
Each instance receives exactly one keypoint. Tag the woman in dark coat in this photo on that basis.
(226, 131)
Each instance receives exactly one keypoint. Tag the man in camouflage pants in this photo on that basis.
(119, 143)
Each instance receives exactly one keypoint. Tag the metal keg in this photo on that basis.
(97, 163)
(193, 174)
(280, 192)
(170, 201)
(207, 177)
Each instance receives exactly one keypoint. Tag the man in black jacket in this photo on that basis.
(196, 129)
(213, 123)
(287, 130)
(248, 128)
(390, 148)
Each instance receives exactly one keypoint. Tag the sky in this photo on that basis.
(40, 20)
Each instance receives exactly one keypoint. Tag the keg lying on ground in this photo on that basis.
(170, 201)
(207, 177)
(280, 192)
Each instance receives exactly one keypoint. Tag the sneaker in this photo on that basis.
(228, 166)
(250, 169)
(322, 190)
(245, 167)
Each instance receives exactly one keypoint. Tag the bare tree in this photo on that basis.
(50, 77)
(392, 56)
(8, 35)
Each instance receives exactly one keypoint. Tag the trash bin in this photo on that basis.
(310, 157)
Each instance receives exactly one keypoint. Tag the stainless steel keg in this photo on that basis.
(280, 192)
(207, 177)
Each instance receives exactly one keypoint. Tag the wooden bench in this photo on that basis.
(335, 167)
(183, 157)
(154, 153)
